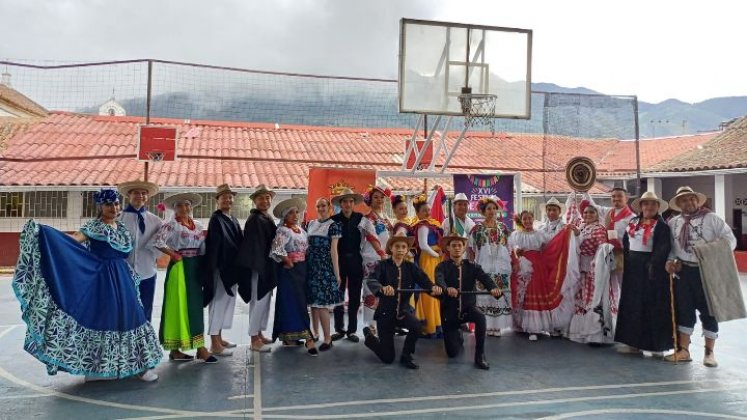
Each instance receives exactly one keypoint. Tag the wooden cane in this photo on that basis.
(674, 321)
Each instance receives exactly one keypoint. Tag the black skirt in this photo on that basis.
(644, 320)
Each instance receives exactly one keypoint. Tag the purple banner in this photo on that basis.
(477, 186)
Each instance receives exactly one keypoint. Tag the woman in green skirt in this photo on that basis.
(183, 239)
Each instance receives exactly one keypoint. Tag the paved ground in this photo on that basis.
(551, 378)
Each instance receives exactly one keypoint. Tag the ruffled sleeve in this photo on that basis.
(163, 236)
(277, 249)
(335, 230)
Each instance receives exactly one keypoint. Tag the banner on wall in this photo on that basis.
(476, 186)
(328, 182)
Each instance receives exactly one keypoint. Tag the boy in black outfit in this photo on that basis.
(394, 308)
(455, 275)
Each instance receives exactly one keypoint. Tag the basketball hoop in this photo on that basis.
(478, 109)
(155, 156)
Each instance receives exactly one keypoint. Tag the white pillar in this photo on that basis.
(654, 185)
(719, 196)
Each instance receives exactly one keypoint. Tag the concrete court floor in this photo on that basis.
(551, 378)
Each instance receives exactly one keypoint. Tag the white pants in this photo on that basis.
(220, 310)
(259, 309)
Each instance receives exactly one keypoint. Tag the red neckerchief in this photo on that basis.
(648, 229)
(625, 212)
(187, 222)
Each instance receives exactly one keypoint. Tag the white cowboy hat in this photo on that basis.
(347, 193)
(649, 196)
(683, 191)
(193, 198)
(554, 202)
(261, 189)
(125, 187)
(460, 197)
(284, 205)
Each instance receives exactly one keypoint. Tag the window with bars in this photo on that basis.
(89, 204)
(36, 204)
(242, 205)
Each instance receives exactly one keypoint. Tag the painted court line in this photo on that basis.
(257, 385)
(487, 394)
(49, 392)
(639, 411)
(440, 410)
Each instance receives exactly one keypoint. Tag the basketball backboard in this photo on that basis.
(434, 67)
(156, 143)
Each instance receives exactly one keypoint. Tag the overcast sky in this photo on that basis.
(656, 49)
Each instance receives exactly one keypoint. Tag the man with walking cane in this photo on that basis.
(393, 281)
(695, 227)
(458, 277)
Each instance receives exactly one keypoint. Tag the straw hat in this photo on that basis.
(285, 205)
(460, 197)
(445, 241)
(125, 187)
(553, 202)
(682, 192)
(347, 193)
(173, 199)
(399, 238)
(224, 189)
(261, 189)
(649, 196)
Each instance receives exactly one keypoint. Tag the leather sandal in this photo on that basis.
(676, 359)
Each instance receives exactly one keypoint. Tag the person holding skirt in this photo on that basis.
(183, 239)
(644, 320)
(428, 233)
(289, 251)
(79, 299)
(488, 245)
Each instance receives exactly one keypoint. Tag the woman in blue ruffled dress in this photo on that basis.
(80, 302)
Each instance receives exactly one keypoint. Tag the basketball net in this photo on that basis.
(478, 109)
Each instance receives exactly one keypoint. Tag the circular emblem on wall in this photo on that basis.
(580, 173)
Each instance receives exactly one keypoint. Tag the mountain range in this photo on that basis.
(578, 111)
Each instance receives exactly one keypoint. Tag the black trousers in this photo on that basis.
(351, 274)
(383, 346)
(689, 297)
(451, 325)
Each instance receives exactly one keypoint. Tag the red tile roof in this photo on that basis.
(727, 150)
(81, 150)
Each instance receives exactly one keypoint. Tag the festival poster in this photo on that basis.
(328, 182)
(477, 186)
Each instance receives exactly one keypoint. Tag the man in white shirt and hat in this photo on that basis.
(694, 224)
(459, 223)
(143, 226)
(554, 223)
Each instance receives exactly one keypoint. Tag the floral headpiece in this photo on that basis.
(106, 196)
(419, 200)
(397, 198)
(482, 204)
(368, 196)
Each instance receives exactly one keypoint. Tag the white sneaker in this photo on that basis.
(710, 360)
(148, 376)
(533, 337)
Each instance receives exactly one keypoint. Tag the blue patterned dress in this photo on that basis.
(81, 304)
(322, 289)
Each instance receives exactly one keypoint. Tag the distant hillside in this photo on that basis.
(358, 107)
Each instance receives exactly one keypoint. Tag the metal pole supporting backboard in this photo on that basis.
(147, 111)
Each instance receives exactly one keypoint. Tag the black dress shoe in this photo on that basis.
(366, 332)
(325, 346)
(481, 363)
(353, 338)
(408, 363)
(337, 336)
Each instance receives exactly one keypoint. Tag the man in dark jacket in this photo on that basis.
(219, 288)
(457, 275)
(394, 310)
(256, 283)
